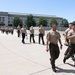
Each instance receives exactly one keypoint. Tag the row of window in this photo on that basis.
(2, 19)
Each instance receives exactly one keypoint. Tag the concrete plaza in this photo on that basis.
(29, 59)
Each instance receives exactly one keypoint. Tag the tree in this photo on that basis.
(17, 21)
(64, 23)
(53, 21)
(30, 21)
(2, 24)
(73, 22)
(42, 21)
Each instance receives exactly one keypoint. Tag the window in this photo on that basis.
(2, 19)
(8, 19)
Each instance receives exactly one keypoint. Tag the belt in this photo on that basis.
(53, 43)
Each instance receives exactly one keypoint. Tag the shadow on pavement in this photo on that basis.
(71, 64)
(60, 70)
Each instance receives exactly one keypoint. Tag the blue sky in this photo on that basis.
(59, 8)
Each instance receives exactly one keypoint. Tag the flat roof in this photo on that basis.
(16, 13)
(25, 14)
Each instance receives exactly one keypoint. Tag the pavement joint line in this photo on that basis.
(31, 60)
(39, 71)
(46, 69)
(23, 57)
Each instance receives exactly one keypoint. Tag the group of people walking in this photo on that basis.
(7, 29)
(70, 39)
(23, 31)
(53, 37)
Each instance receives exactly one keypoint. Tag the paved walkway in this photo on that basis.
(29, 59)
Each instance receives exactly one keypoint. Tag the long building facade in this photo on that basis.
(7, 17)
